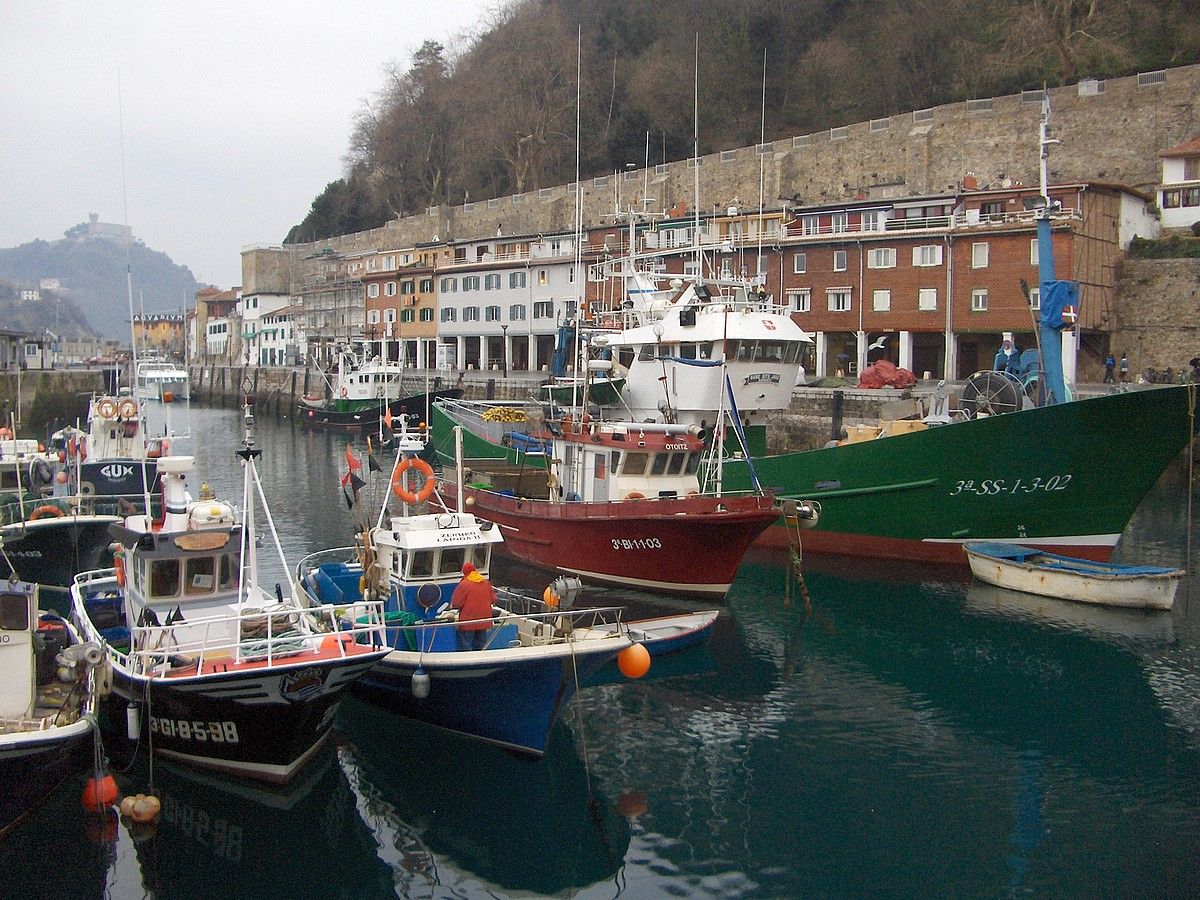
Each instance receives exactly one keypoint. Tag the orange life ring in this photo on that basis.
(42, 511)
(426, 491)
(119, 567)
(345, 392)
(107, 408)
(635, 495)
(127, 408)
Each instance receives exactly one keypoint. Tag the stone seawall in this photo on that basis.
(50, 399)
(1157, 310)
(989, 140)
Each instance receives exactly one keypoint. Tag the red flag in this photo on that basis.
(387, 418)
(352, 464)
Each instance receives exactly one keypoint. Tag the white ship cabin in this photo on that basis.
(18, 621)
(363, 377)
(626, 461)
(116, 429)
(431, 548)
(189, 564)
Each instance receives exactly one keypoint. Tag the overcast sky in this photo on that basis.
(235, 114)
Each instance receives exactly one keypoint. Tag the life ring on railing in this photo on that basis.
(127, 408)
(107, 408)
(41, 512)
(119, 567)
(398, 488)
(635, 495)
(345, 392)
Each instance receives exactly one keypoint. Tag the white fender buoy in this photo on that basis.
(420, 684)
(133, 721)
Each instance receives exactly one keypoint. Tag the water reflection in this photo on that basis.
(219, 835)
(450, 814)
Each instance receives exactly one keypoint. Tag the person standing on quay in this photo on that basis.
(1124, 367)
(1109, 365)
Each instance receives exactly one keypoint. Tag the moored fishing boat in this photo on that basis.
(363, 391)
(534, 655)
(155, 378)
(209, 667)
(48, 695)
(621, 504)
(46, 535)
(1070, 578)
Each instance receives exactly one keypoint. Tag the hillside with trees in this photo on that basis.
(91, 272)
(496, 116)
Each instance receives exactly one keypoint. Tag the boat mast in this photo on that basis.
(1054, 296)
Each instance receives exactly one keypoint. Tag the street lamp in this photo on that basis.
(504, 348)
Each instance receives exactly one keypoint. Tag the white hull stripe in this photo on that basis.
(1065, 540)
(264, 771)
(698, 588)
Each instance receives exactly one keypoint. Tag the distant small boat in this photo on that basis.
(1053, 575)
(662, 635)
(156, 377)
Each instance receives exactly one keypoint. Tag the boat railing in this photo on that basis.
(548, 625)
(678, 504)
(269, 634)
(276, 633)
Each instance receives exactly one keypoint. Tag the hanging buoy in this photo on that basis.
(133, 721)
(420, 684)
(99, 793)
(632, 804)
(146, 809)
(634, 661)
(126, 806)
(549, 597)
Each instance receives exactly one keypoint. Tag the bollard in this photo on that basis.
(835, 426)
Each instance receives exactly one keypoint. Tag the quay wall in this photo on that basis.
(1157, 314)
(49, 399)
(805, 424)
(991, 141)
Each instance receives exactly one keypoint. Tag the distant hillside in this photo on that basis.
(53, 312)
(91, 274)
(496, 116)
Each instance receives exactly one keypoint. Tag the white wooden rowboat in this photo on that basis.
(1052, 575)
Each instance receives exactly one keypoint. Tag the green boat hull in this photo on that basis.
(1066, 478)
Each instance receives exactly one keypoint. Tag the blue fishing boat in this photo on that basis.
(535, 653)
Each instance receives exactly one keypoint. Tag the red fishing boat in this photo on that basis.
(620, 503)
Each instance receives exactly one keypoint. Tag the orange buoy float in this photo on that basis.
(635, 495)
(398, 488)
(549, 597)
(634, 661)
(632, 804)
(119, 567)
(99, 793)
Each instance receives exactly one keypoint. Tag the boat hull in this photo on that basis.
(646, 544)
(1063, 478)
(32, 766)
(367, 413)
(263, 724)
(51, 551)
(1130, 587)
(507, 698)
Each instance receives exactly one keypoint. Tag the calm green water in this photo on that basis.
(906, 737)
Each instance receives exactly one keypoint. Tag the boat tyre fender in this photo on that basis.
(42, 512)
(398, 488)
(107, 408)
(345, 392)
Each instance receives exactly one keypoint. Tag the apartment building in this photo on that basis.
(502, 300)
(401, 303)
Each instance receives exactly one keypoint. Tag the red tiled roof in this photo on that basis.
(1191, 148)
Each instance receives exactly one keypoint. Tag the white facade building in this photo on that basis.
(1179, 193)
(501, 301)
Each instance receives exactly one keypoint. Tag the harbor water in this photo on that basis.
(904, 732)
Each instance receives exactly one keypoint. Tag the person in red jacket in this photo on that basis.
(473, 598)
